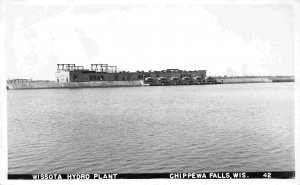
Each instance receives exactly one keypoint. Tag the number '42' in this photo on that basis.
(267, 175)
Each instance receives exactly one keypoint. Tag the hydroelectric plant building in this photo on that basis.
(104, 72)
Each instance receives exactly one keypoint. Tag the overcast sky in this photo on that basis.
(224, 39)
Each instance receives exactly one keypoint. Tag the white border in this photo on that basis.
(3, 92)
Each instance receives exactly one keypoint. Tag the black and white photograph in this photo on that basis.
(149, 90)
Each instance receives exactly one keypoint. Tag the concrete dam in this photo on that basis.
(55, 85)
(134, 83)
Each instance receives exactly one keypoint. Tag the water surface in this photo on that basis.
(230, 127)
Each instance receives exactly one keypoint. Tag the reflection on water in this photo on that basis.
(238, 127)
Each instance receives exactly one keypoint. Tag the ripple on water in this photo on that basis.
(240, 127)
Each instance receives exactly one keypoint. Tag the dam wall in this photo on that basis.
(133, 83)
(54, 85)
(256, 79)
(243, 80)
(283, 79)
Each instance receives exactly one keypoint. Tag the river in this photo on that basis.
(230, 127)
